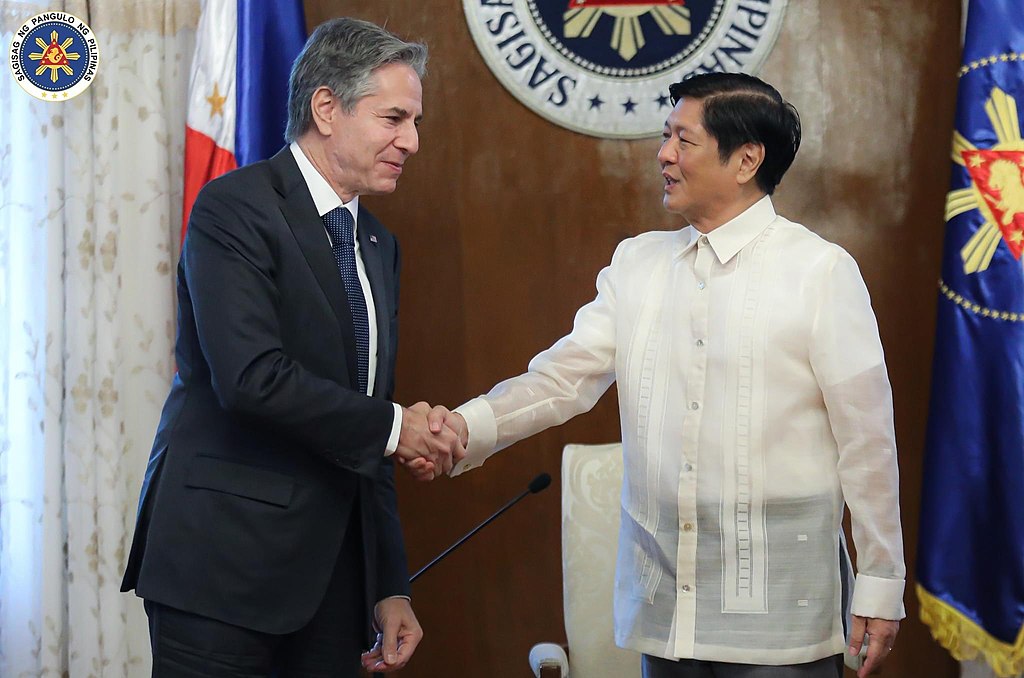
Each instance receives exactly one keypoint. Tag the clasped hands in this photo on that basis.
(432, 440)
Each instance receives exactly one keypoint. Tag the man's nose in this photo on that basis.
(409, 139)
(666, 154)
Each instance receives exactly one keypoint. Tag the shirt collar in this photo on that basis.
(732, 236)
(689, 236)
(324, 196)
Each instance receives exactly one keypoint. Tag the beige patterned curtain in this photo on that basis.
(90, 209)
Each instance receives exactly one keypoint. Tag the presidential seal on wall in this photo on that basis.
(603, 67)
(54, 56)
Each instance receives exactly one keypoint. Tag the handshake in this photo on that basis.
(432, 440)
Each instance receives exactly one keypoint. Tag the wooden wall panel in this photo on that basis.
(505, 220)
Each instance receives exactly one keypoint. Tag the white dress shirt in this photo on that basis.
(326, 199)
(753, 400)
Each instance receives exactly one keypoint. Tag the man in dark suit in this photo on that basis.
(268, 531)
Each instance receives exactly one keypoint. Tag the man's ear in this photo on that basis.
(750, 156)
(324, 106)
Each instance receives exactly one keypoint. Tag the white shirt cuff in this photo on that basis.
(399, 596)
(396, 431)
(878, 598)
(483, 434)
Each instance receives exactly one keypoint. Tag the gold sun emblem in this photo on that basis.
(997, 186)
(627, 34)
(54, 57)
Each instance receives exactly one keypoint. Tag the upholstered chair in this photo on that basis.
(591, 487)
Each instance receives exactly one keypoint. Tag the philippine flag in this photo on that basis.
(238, 91)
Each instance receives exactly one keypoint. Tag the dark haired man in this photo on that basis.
(268, 530)
(753, 398)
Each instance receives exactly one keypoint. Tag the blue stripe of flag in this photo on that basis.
(270, 36)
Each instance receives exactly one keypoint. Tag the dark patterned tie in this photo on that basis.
(340, 226)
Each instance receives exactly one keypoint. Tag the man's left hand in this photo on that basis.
(398, 634)
(881, 634)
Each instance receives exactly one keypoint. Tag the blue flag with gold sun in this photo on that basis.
(970, 563)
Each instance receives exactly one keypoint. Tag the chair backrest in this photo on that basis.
(591, 487)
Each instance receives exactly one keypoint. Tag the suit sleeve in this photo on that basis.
(230, 277)
(394, 569)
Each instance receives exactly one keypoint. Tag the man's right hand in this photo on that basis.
(441, 417)
(424, 453)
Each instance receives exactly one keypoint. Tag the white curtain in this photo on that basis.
(90, 211)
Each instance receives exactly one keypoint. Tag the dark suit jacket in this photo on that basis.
(265, 448)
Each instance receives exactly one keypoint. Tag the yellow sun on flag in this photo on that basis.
(997, 185)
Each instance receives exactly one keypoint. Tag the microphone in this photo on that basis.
(538, 484)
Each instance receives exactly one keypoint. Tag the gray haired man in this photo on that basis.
(268, 534)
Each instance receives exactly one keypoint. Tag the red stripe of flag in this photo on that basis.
(204, 160)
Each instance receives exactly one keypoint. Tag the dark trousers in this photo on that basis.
(655, 667)
(186, 645)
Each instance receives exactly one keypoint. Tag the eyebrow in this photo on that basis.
(401, 112)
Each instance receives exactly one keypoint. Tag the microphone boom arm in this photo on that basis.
(536, 485)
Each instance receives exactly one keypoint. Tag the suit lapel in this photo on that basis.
(369, 233)
(308, 229)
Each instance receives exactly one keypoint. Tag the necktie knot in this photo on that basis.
(340, 226)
